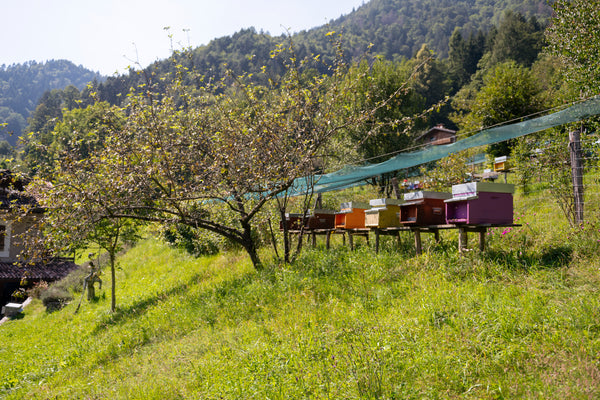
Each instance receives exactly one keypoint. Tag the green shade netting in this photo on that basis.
(355, 175)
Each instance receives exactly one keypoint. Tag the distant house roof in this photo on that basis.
(12, 191)
(438, 135)
(10, 180)
(49, 271)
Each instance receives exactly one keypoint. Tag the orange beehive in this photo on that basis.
(351, 215)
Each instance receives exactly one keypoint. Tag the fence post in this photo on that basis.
(397, 191)
(576, 173)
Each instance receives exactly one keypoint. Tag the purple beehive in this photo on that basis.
(480, 203)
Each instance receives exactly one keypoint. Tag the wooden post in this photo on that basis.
(418, 247)
(350, 240)
(318, 201)
(376, 240)
(462, 239)
(577, 173)
(482, 233)
(397, 191)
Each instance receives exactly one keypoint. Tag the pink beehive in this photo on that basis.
(480, 203)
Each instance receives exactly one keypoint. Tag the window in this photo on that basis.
(4, 239)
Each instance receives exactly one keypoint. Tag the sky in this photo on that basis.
(108, 36)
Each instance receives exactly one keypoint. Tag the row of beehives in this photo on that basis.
(469, 203)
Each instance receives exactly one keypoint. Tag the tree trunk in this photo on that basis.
(250, 246)
(113, 296)
(286, 236)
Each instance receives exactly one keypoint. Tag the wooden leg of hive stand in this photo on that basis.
(462, 240)
(418, 247)
(482, 233)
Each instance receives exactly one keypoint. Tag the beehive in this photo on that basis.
(424, 208)
(293, 221)
(351, 215)
(480, 203)
(501, 164)
(321, 219)
(383, 214)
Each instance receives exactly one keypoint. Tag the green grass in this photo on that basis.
(521, 320)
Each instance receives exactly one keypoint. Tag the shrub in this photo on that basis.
(38, 289)
(195, 241)
(55, 298)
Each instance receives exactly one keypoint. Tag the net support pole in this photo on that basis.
(576, 173)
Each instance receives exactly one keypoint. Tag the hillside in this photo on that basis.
(395, 28)
(21, 86)
(518, 321)
(398, 28)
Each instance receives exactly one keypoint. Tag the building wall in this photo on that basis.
(10, 242)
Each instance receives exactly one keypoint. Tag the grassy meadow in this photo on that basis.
(521, 320)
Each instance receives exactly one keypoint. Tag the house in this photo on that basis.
(13, 224)
(437, 135)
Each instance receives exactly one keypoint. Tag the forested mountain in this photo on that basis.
(22, 85)
(393, 29)
(398, 28)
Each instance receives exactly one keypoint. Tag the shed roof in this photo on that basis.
(48, 271)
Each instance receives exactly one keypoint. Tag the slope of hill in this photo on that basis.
(398, 28)
(519, 321)
(21, 85)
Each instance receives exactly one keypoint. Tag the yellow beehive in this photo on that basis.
(501, 164)
(384, 214)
